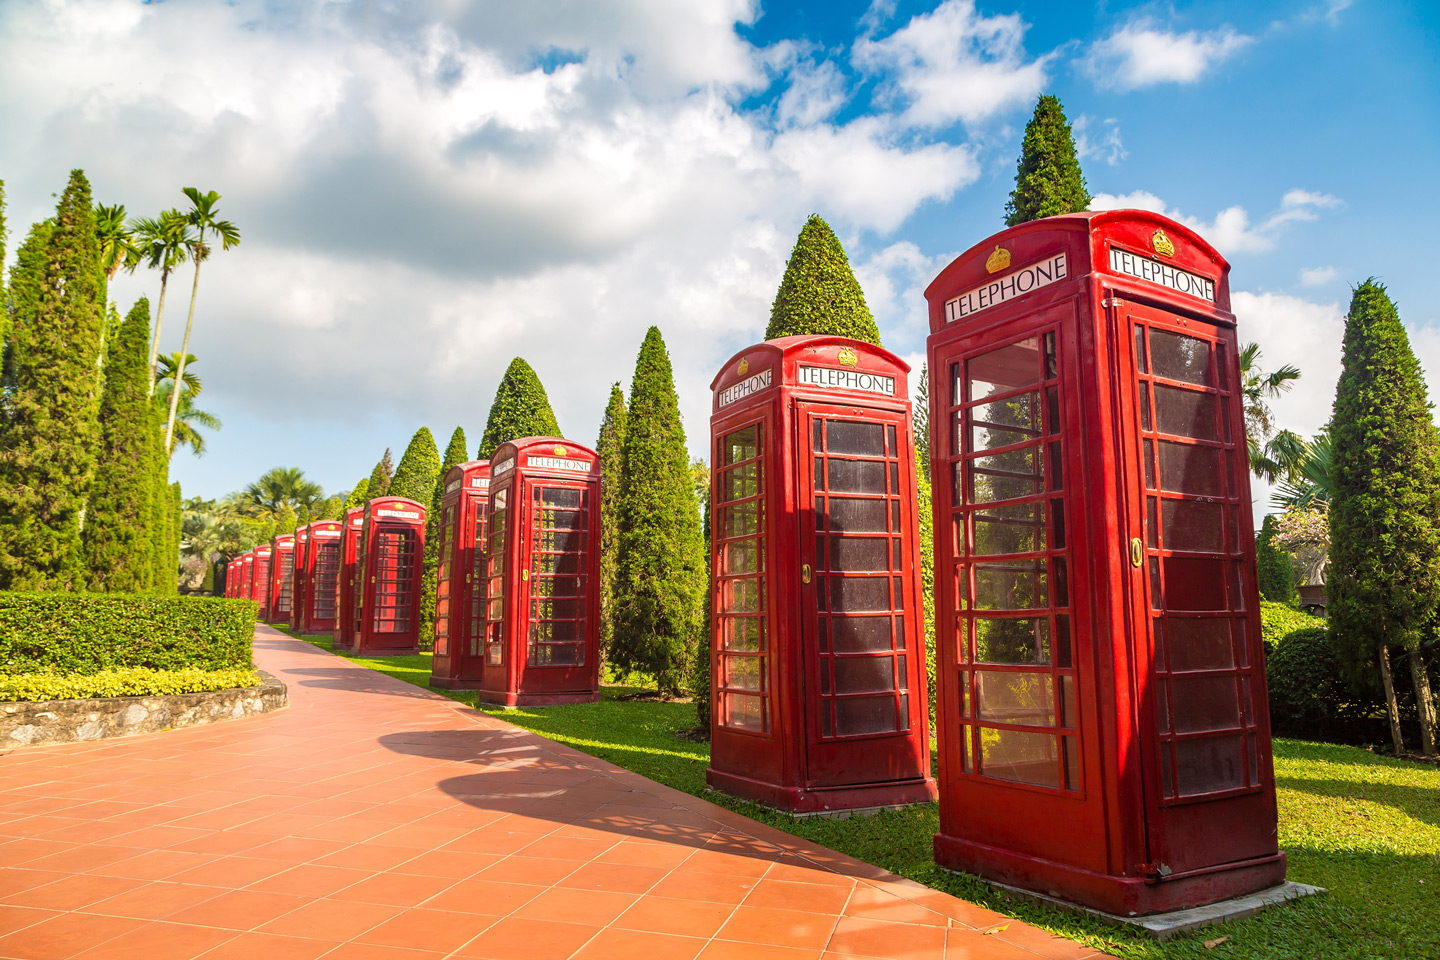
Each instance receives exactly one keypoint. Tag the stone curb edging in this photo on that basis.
(31, 724)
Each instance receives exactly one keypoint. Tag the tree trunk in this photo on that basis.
(1392, 706)
(1424, 703)
(184, 352)
(155, 340)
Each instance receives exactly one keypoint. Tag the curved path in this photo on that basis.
(373, 820)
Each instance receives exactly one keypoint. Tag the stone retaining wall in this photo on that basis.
(67, 721)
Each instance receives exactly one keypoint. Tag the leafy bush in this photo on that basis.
(1307, 694)
(121, 682)
(67, 633)
(1279, 619)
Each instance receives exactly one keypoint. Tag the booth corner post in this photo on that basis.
(458, 661)
(817, 633)
(541, 641)
(347, 615)
(1102, 722)
(389, 563)
(317, 574)
(282, 578)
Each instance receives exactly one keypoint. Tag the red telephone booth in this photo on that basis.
(542, 568)
(460, 577)
(318, 578)
(817, 630)
(1103, 728)
(259, 580)
(230, 580)
(345, 610)
(282, 577)
(298, 561)
(246, 574)
(389, 561)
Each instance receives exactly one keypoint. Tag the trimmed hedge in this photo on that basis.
(1278, 620)
(121, 682)
(69, 633)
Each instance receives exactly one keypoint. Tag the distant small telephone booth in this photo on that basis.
(1103, 730)
(346, 613)
(282, 577)
(542, 568)
(230, 580)
(246, 574)
(297, 577)
(259, 580)
(817, 630)
(389, 561)
(460, 577)
(318, 579)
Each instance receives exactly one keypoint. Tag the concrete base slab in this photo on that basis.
(1163, 926)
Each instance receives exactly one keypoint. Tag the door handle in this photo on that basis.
(1137, 552)
(805, 573)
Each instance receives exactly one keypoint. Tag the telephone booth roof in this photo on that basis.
(263, 550)
(762, 367)
(549, 456)
(1141, 252)
(472, 475)
(284, 539)
(395, 508)
(315, 525)
(354, 514)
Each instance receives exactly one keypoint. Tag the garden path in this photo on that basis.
(372, 820)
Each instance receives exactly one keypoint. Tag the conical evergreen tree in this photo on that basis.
(415, 476)
(521, 409)
(51, 432)
(819, 294)
(660, 565)
(357, 497)
(379, 484)
(1273, 568)
(1048, 181)
(1384, 502)
(455, 454)
(172, 553)
(610, 447)
(117, 543)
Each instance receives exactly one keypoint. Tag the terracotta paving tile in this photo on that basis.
(230, 872)
(159, 941)
(880, 938)
(80, 858)
(523, 939)
(422, 929)
(73, 892)
(567, 848)
(1042, 942)
(640, 854)
(265, 946)
(160, 836)
(14, 880)
(154, 901)
(371, 951)
(310, 880)
(617, 944)
(536, 870)
(732, 950)
(239, 909)
(874, 904)
(785, 928)
(18, 918)
(693, 918)
(445, 863)
(787, 895)
(394, 889)
(710, 887)
(221, 843)
(592, 907)
(487, 897)
(295, 849)
(64, 936)
(974, 945)
(330, 920)
(153, 864)
(804, 871)
(615, 877)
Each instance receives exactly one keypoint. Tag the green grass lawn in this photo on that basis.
(1366, 827)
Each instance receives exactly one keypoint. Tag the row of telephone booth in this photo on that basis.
(1100, 705)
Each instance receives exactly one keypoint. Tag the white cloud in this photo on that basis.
(1317, 276)
(815, 93)
(1231, 230)
(954, 64)
(1099, 139)
(1141, 54)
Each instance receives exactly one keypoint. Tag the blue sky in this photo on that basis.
(428, 189)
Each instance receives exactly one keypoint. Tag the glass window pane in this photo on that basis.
(741, 519)
(1016, 528)
(740, 482)
(1204, 703)
(1007, 476)
(742, 444)
(856, 716)
(1005, 422)
(856, 476)
(853, 515)
(1192, 525)
(852, 594)
(1208, 765)
(741, 673)
(864, 674)
(1012, 640)
(1140, 349)
(742, 634)
(740, 596)
(861, 634)
(741, 556)
(744, 712)
(561, 497)
(1026, 698)
(1194, 583)
(1020, 756)
(1198, 644)
(1178, 357)
(1185, 413)
(1018, 585)
(1187, 468)
(848, 436)
(1007, 368)
(859, 553)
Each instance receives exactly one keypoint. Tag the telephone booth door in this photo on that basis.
(858, 587)
(345, 607)
(299, 562)
(460, 577)
(282, 577)
(321, 575)
(391, 552)
(247, 567)
(260, 581)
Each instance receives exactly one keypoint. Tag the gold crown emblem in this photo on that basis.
(998, 260)
(1162, 244)
(847, 357)
(744, 367)
(561, 451)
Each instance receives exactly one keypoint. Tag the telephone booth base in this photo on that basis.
(454, 683)
(1123, 896)
(508, 698)
(803, 801)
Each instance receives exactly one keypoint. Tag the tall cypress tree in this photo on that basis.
(1384, 579)
(1274, 571)
(521, 409)
(117, 544)
(610, 450)
(357, 497)
(174, 513)
(819, 294)
(660, 564)
(1048, 181)
(379, 484)
(415, 476)
(51, 432)
(455, 454)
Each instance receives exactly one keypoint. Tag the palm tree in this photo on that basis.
(202, 216)
(163, 243)
(279, 487)
(117, 243)
(188, 417)
(165, 374)
(1271, 454)
(1307, 486)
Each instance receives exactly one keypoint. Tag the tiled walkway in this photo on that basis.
(375, 821)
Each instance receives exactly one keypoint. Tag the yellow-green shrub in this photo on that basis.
(121, 682)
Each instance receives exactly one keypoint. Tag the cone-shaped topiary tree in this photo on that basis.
(1384, 503)
(379, 484)
(1275, 572)
(1048, 181)
(455, 454)
(118, 548)
(50, 433)
(819, 294)
(415, 476)
(521, 409)
(357, 497)
(660, 563)
(610, 449)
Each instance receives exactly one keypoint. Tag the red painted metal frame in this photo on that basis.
(282, 578)
(345, 613)
(247, 565)
(798, 761)
(1116, 835)
(519, 471)
(259, 579)
(389, 563)
(460, 578)
(319, 588)
(299, 559)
